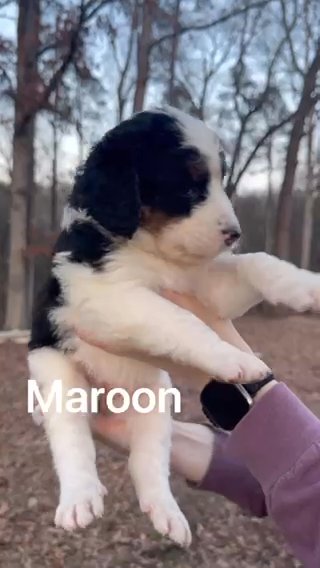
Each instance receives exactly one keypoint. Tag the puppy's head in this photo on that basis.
(160, 174)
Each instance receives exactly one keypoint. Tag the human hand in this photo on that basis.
(111, 429)
(192, 444)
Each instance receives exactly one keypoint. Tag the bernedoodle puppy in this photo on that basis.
(147, 212)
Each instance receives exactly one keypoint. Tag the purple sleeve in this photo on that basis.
(279, 442)
(229, 477)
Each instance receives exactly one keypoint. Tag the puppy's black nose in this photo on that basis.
(231, 235)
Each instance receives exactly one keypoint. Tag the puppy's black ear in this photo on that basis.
(107, 187)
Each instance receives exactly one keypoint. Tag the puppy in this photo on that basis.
(147, 211)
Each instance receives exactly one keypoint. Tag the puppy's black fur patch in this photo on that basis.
(84, 243)
(142, 162)
(44, 332)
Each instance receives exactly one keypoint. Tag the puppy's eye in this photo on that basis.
(198, 170)
(197, 166)
(223, 164)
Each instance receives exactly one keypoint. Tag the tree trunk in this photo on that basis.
(80, 121)
(307, 225)
(54, 175)
(282, 244)
(173, 55)
(143, 50)
(269, 230)
(23, 163)
(55, 145)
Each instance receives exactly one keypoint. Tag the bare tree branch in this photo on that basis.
(288, 29)
(5, 75)
(96, 5)
(87, 10)
(121, 91)
(245, 119)
(211, 65)
(272, 130)
(225, 17)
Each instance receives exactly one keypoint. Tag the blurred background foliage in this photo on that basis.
(71, 69)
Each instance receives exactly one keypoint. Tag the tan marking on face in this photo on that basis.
(154, 221)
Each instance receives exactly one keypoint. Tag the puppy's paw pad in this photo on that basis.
(168, 520)
(239, 367)
(80, 506)
(253, 369)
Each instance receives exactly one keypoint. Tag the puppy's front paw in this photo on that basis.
(311, 286)
(80, 504)
(235, 366)
(252, 368)
(167, 518)
(297, 289)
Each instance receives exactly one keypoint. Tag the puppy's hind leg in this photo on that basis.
(81, 493)
(150, 446)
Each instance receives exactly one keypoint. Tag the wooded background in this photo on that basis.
(71, 69)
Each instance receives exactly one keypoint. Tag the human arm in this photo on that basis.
(199, 454)
(179, 371)
(279, 442)
(270, 463)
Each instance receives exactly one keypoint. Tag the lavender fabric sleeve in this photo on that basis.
(228, 476)
(279, 442)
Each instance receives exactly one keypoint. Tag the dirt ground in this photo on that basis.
(222, 536)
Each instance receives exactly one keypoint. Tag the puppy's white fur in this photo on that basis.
(122, 302)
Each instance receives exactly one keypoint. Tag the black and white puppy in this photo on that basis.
(147, 212)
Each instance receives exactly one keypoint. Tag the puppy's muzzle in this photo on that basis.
(231, 235)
